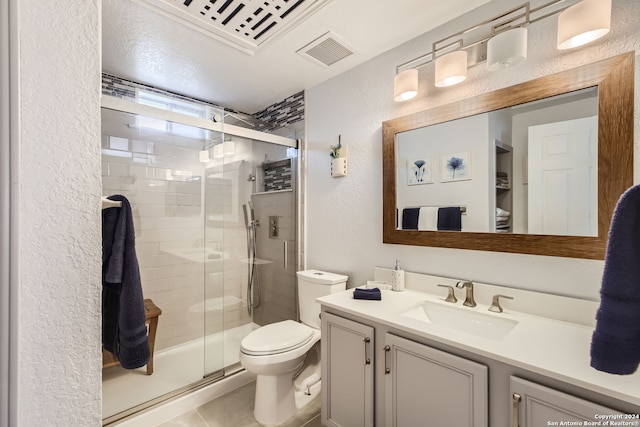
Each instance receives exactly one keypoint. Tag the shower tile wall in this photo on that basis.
(277, 283)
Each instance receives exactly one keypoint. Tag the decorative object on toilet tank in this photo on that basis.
(338, 160)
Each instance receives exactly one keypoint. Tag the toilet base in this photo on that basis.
(276, 400)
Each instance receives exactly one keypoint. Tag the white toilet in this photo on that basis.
(285, 355)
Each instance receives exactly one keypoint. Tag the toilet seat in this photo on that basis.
(276, 338)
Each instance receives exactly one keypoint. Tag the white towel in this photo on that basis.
(428, 219)
(502, 212)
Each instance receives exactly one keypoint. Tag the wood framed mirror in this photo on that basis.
(612, 78)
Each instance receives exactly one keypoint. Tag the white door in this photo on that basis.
(563, 178)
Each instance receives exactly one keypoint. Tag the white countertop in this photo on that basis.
(550, 347)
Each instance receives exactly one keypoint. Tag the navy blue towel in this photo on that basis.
(124, 332)
(450, 219)
(615, 345)
(370, 294)
(410, 218)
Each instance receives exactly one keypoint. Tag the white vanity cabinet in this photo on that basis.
(428, 387)
(347, 372)
(534, 405)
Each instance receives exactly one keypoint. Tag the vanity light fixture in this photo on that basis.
(507, 49)
(502, 41)
(583, 23)
(451, 68)
(405, 85)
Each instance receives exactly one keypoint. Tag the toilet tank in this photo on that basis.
(314, 284)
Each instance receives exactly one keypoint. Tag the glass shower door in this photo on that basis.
(254, 222)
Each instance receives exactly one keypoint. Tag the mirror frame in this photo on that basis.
(614, 78)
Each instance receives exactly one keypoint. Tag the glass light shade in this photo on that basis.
(451, 68)
(507, 49)
(405, 85)
(583, 23)
(227, 148)
(204, 156)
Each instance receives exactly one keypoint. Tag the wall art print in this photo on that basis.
(419, 172)
(456, 167)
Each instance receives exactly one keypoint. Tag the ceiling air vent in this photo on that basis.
(243, 24)
(326, 50)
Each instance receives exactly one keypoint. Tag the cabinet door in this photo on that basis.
(347, 372)
(534, 405)
(428, 387)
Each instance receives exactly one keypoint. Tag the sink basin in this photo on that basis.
(463, 319)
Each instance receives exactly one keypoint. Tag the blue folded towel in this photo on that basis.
(410, 218)
(370, 294)
(615, 345)
(450, 219)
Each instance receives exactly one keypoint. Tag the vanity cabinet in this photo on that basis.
(429, 387)
(535, 405)
(347, 372)
(375, 374)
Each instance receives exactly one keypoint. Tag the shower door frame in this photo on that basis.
(131, 107)
(117, 104)
(9, 126)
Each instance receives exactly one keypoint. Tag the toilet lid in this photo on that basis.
(276, 338)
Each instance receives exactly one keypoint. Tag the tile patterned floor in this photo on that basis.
(235, 409)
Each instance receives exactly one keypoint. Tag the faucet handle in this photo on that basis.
(495, 303)
(451, 296)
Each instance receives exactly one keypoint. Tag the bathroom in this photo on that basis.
(57, 183)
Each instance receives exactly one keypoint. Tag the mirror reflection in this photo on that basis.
(526, 169)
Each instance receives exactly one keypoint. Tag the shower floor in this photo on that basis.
(174, 368)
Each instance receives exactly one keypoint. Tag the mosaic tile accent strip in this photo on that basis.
(278, 115)
(277, 175)
(284, 113)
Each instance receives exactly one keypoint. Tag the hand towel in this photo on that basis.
(428, 219)
(615, 345)
(124, 332)
(410, 218)
(369, 294)
(450, 219)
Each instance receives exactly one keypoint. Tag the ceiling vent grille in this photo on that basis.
(243, 24)
(326, 50)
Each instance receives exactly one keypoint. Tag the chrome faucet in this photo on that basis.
(468, 285)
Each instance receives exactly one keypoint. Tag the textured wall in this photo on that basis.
(59, 371)
(344, 231)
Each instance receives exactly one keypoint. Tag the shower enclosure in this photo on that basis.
(214, 209)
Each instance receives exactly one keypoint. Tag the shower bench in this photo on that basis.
(152, 312)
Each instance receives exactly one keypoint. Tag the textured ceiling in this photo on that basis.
(150, 46)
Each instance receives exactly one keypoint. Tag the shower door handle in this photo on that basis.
(286, 254)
